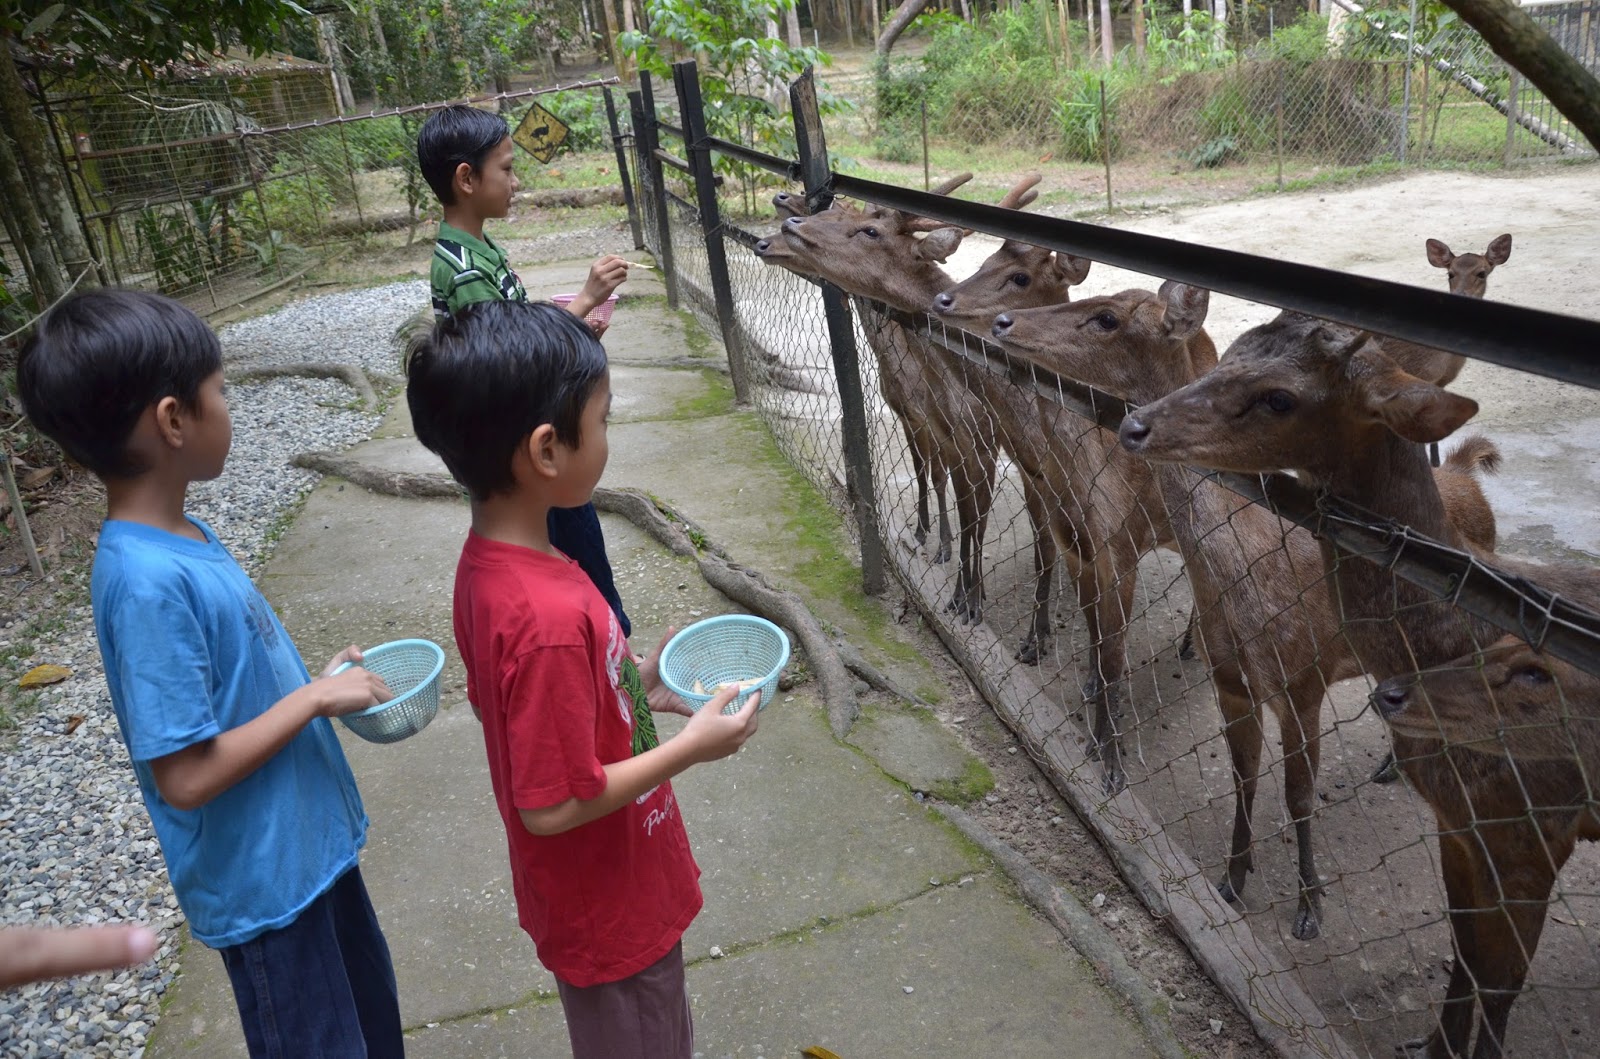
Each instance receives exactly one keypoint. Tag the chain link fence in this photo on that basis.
(215, 189)
(1137, 624)
(1267, 104)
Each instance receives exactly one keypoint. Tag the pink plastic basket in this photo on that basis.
(600, 314)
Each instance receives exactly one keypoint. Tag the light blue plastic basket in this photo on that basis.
(411, 668)
(724, 650)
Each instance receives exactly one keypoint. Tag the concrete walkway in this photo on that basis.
(843, 913)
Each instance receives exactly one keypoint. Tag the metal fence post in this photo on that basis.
(649, 142)
(814, 173)
(622, 170)
(1511, 120)
(686, 78)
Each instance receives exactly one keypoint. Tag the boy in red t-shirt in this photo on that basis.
(514, 398)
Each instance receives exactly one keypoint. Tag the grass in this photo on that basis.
(974, 782)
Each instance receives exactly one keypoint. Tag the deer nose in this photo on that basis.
(944, 302)
(763, 246)
(1134, 433)
(1392, 696)
(1002, 323)
(793, 222)
(781, 199)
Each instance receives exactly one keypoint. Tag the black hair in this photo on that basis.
(454, 135)
(484, 379)
(99, 359)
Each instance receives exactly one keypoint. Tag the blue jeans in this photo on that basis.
(576, 531)
(321, 987)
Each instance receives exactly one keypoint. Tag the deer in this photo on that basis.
(876, 253)
(1467, 275)
(900, 381)
(1523, 732)
(1320, 399)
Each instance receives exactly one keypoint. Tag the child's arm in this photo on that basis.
(709, 735)
(191, 777)
(605, 276)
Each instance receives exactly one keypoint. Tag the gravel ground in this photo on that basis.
(76, 846)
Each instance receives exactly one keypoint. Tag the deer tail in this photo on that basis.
(1476, 453)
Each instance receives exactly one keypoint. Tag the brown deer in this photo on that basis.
(1018, 275)
(877, 253)
(1468, 275)
(1301, 394)
(1522, 732)
(900, 381)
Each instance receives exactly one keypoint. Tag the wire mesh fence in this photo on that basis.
(1217, 692)
(214, 188)
(1280, 103)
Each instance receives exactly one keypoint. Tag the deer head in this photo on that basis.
(1016, 276)
(1469, 273)
(1506, 698)
(1295, 393)
(882, 253)
(775, 250)
(1136, 343)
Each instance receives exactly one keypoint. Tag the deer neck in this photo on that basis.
(1392, 478)
(913, 289)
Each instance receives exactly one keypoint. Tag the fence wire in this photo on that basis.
(1147, 628)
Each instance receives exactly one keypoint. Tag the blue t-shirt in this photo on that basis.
(191, 650)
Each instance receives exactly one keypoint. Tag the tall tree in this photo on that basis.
(902, 17)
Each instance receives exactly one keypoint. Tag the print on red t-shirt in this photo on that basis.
(545, 659)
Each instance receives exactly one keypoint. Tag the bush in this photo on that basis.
(1077, 112)
(584, 112)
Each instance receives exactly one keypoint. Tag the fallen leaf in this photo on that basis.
(41, 676)
(817, 1051)
(1047, 156)
(39, 477)
(73, 722)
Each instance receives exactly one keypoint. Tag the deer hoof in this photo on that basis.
(1388, 770)
(942, 553)
(1028, 652)
(1307, 926)
(1414, 1048)
(1226, 891)
(1113, 780)
(1186, 648)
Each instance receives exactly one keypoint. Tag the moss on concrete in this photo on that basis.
(975, 781)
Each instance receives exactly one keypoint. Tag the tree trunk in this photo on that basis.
(1138, 29)
(629, 24)
(1188, 10)
(791, 22)
(20, 209)
(1219, 25)
(908, 10)
(1088, 21)
(1061, 24)
(47, 177)
(1517, 39)
(609, 9)
(1107, 44)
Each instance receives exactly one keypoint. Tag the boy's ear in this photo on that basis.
(169, 421)
(463, 177)
(539, 448)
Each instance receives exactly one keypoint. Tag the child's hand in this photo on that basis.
(354, 689)
(716, 735)
(351, 654)
(605, 276)
(660, 697)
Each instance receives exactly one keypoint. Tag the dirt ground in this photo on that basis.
(1385, 951)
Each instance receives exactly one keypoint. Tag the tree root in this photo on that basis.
(352, 376)
(832, 661)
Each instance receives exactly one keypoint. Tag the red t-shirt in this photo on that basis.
(543, 652)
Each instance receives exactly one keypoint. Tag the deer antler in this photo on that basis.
(1021, 193)
(950, 185)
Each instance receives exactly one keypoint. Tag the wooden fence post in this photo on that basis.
(650, 168)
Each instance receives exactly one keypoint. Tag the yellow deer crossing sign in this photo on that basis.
(540, 133)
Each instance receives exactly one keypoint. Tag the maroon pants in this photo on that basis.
(645, 1016)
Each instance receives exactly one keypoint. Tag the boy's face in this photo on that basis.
(212, 429)
(489, 189)
(587, 462)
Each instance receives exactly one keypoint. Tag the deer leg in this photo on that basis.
(1106, 596)
(1462, 867)
(965, 518)
(1044, 570)
(982, 501)
(1241, 727)
(919, 466)
(938, 478)
(1298, 721)
(1508, 935)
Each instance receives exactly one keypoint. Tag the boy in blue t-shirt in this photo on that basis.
(254, 805)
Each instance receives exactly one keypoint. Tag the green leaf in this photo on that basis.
(43, 20)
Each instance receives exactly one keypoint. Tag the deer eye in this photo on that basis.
(1280, 401)
(1106, 321)
(1021, 279)
(1484, 274)
(1531, 674)
(870, 232)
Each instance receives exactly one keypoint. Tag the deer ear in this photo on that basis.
(1185, 309)
(1499, 250)
(1072, 269)
(1416, 410)
(941, 243)
(1439, 255)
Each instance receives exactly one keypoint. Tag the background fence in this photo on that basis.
(854, 402)
(216, 188)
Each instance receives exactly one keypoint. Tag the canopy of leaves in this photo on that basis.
(149, 33)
